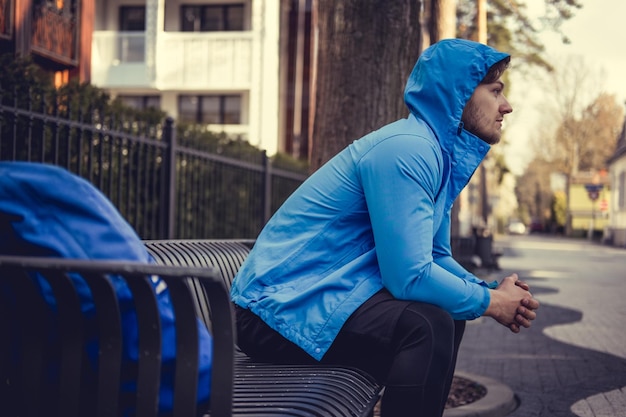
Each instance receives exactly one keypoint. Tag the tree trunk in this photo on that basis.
(366, 51)
(442, 21)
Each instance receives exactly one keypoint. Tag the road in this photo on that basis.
(572, 361)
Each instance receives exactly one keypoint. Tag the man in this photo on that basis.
(356, 269)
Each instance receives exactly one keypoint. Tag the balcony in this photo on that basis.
(176, 60)
(118, 60)
(54, 35)
(6, 14)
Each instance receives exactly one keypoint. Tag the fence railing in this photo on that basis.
(162, 187)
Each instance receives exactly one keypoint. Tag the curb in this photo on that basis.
(498, 402)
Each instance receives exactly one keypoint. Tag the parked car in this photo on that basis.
(536, 226)
(516, 227)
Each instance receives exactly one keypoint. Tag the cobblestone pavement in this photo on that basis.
(572, 361)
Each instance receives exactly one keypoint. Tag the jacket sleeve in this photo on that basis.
(442, 254)
(401, 177)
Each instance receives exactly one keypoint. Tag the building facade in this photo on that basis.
(617, 208)
(589, 200)
(236, 66)
(55, 34)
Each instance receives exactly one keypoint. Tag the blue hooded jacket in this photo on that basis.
(377, 214)
(47, 211)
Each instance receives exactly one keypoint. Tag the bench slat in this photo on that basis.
(25, 383)
(109, 322)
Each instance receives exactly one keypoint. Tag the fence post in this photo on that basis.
(168, 197)
(267, 188)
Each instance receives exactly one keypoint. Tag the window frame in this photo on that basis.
(123, 17)
(201, 117)
(225, 22)
(144, 98)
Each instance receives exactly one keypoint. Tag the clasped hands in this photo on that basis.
(512, 304)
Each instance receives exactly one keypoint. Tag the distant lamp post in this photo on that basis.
(538, 202)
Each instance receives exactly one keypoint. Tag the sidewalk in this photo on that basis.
(500, 399)
(539, 376)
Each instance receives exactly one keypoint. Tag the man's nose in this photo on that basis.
(505, 107)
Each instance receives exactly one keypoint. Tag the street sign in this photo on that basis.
(593, 190)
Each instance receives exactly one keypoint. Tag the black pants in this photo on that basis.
(409, 347)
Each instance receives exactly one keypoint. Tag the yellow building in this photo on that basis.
(589, 202)
(617, 168)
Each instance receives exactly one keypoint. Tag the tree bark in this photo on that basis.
(442, 22)
(366, 51)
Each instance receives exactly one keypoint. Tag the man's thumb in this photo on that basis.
(513, 278)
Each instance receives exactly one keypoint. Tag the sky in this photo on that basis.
(597, 33)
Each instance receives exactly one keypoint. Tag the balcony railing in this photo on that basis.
(182, 60)
(131, 48)
(54, 34)
(6, 16)
(220, 60)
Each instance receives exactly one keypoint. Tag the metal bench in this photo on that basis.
(264, 388)
(43, 365)
(198, 275)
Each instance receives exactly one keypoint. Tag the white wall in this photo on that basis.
(245, 63)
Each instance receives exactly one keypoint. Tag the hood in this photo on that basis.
(443, 80)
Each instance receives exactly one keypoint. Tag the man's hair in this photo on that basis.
(496, 71)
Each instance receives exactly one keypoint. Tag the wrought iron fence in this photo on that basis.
(164, 187)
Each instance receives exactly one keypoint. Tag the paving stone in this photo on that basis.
(572, 361)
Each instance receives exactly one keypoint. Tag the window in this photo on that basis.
(213, 109)
(225, 17)
(141, 102)
(132, 18)
(131, 46)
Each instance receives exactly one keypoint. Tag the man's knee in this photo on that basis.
(421, 322)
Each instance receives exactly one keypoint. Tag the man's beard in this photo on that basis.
(472, 117)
